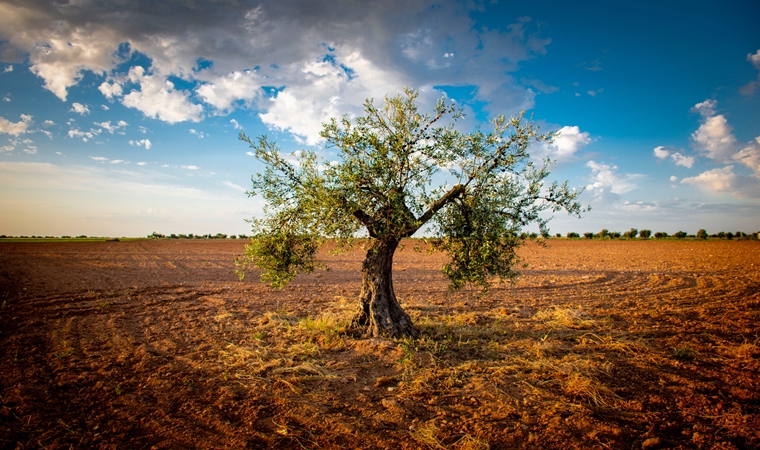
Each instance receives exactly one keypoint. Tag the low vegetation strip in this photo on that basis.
(600, 344)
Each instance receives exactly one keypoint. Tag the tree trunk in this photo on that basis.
(380, 314)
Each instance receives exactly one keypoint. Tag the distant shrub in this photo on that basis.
(660, 235)
(702, 234)
(573, 235)
(603, 234)
(644, 234)
(631, 234)
(588, 235)
(615, 234)
(680, 234)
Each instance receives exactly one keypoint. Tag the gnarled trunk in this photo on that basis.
(380, 313)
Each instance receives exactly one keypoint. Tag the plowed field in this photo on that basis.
(600, 344)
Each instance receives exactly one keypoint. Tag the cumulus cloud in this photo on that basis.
(715, 180)
(79, 108)
(723, 180)
(15, 128)
(607, 183)
(214, 57)
(750, 156)
(677, 157)
(141, 143)
(570, 140)
(157, 98)
(715, 139)
(222, 92)
(110, 89)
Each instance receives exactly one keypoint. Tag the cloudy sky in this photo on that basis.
(120, 118)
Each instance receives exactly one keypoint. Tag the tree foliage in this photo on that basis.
(395, 171)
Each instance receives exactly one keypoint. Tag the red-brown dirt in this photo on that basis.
(600, 344)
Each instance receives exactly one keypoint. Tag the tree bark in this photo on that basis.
(381, 314)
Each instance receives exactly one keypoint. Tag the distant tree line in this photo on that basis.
(634, 233)
(155, 235)
(631, 234)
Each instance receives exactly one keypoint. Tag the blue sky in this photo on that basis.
(120, 119)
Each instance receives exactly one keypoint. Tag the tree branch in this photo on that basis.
(453, 193)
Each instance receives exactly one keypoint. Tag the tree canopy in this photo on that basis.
(395, 171)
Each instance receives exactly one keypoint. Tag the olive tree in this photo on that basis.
(398, 170)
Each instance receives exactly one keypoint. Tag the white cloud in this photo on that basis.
(706, 108)
(120, 125)
(724, 181)
(15, 128)
(235, 124)
(715, 180)
(79, 108)
(48, 123)
(234, 186)
(8, 68)
(661, 152)
(158, 99)
(570, 140)
(677, 157)
(673, 178)
(85, 135)
(750, 156)
(606, 180)
(99, 158)
(754, 59)
(750, 88)
(222, 92)
(190, 167)
(110, 89)
(200, 134)
(715, 139)
(142, 143)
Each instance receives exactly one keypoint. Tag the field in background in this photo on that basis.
(600, 344)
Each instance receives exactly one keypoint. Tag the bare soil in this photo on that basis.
(600, 344)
